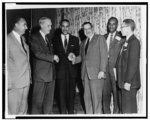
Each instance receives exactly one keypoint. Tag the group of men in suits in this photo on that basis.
(110, 66)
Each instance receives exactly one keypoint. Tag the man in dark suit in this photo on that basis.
(64, 44)
(128, 68)
(93, 54)
(43, 69)
(114, 43)
(18, 68)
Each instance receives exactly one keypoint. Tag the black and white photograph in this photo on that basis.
(74, 60)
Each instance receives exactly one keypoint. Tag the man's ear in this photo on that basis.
(16, 24)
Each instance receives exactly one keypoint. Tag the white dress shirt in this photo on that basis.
(63, 39)
(17, 36)
(108, 39)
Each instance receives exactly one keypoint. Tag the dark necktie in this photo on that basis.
(47, 43)
(86, 46)
(65, 42)
(22, 43)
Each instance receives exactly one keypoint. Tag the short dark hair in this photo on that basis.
(64, 20)
(16, 20)
(87, 23)
(114, 19)
(130, 22)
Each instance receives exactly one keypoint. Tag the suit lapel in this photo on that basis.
(17, 43)
(26, 46)
(114, 42)
(42, 41)
(90, 44)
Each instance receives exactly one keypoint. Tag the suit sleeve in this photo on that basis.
(8, 63)
(77, 49)
(103, 53)
(133, 61)
(79, 58)
(38, 52)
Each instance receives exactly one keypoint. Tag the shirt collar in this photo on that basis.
(43, 35)
(17, 36)
(91, 37)
(67, 35)
(113, 34)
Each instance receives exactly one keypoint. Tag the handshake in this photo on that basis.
(72, 57)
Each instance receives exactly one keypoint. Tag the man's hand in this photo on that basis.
(101, 75)
(72, 57)
(56, 58)
(127, 86)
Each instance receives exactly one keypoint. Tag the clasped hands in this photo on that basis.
(72, 57)
(56, 58)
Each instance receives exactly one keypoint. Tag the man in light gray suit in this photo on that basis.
(18, 68)
(93, 55)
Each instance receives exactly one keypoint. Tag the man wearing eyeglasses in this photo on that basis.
(128, 68)
(93, 55)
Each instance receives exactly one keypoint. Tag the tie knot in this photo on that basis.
(65, 36)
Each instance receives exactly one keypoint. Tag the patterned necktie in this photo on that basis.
(111, 39)
(86, 46)
(22, 43)
(46, 40)
(65, 42)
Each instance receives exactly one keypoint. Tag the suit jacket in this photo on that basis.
(128, 64)
(96, 58)
(18, 66)
(43, 67)
(114, 50)
(64, 64)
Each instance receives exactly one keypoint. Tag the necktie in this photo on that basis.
(86, 46)
(111, 39)
(65, 42)
(46, 40)
(22, 43)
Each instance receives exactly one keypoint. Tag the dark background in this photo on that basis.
(32, 16)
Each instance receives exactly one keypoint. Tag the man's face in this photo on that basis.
(46, 26)
(65, 27)
(125, 29)
(88, 30)
(21, 26)
(112, 25)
